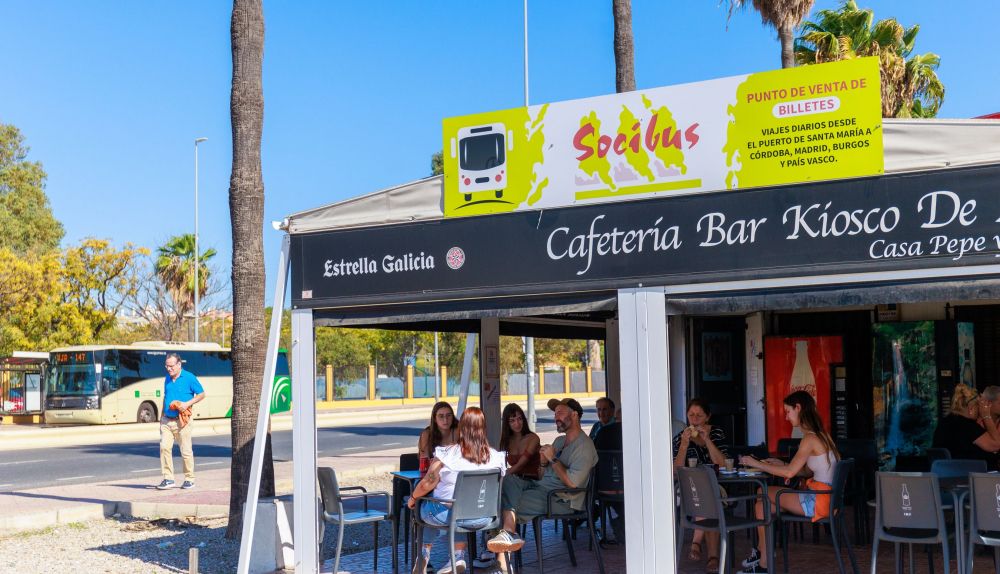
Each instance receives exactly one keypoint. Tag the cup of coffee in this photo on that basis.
(692, 462)
(729, 464)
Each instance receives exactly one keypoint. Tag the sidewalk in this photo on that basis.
(42, 507)
(17, 437)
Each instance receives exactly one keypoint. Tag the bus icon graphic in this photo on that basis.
(482, 158)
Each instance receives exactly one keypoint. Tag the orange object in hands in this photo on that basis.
(183, 415)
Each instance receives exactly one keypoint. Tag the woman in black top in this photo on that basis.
(707, 443)
(968, 431)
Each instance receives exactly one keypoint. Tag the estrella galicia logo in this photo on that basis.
(455, 257)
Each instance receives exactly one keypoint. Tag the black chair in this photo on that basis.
(476, 496)
(568, 519)
(702, 508)
(912, 463)
(334, 513)
(937, 453)
(787, 447)
(984, 517)
(401, 490)
(861, 484)
(908, 510)
(609, 487)
(838, 528)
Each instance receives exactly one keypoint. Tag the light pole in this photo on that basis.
(196, 290)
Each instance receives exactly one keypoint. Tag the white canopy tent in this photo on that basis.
(639, 335)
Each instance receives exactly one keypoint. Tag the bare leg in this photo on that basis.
(789, 504)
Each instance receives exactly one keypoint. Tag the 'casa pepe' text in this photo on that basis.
(389, 264)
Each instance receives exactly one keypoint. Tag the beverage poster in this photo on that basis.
(797, 364)
(967, 355)
(905, 393)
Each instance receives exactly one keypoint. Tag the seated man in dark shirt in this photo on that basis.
(968, 431)
(610, 438)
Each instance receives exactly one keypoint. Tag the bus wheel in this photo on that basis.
(146, 414)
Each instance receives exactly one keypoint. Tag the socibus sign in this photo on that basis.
(787, 126)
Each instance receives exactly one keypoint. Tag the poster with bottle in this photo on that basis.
(967, 355)
(797, 364)
(905, 389)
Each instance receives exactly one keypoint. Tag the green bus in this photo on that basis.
(109, 384)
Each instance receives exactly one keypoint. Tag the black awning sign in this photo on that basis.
(937, 219)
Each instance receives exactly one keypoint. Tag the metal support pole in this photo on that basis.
(437, 371)
(197, 294)
(304, 503)
(529, 369)
(264, 411)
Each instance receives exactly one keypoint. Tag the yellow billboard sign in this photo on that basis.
(786, 126)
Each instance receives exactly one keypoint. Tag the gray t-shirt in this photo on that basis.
(579, 457)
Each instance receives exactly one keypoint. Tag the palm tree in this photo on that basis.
(910, 85)
(175, 269)
(246, 209)
(624, 46)
(783, 15)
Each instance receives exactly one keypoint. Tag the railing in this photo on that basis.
(419, 385)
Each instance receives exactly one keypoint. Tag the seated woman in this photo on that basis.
(520, 444)
(471, 452)
(440, 432)
(815, 458)
(707, 443)
(968, 430)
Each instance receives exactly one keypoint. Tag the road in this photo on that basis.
(35, 468)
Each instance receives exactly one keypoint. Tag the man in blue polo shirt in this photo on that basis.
(183, 386)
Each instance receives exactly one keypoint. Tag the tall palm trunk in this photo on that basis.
(786, 36)
(624, 46)
(246, 209)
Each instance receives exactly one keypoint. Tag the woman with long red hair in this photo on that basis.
(471, 452)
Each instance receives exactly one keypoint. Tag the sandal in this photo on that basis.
(695, 552)
(713, 565)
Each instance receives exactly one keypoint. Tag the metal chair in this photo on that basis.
(861, 484)
(838, 528)
(609, 486)
(334, 513)
(400, 492)
(476, 496)
(702, 508)
(908, 510)
(568, 519)
(984, 517)
(937, 453)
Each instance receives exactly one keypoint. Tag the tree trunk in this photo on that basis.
(624, 47)
(785, 34)
(246, 209)
(594, 355)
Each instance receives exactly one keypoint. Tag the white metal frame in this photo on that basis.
(304, 502)
(263, 413)
(649, 482)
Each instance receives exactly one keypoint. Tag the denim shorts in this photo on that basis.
(808, 502)
(436, 513)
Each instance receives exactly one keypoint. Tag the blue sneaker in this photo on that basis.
(187, 484)
(167, 483)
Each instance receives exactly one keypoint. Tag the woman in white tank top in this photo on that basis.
(815, 460)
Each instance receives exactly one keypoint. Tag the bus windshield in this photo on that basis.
(482, 152)
(72, 374)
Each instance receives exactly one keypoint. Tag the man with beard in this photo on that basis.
(567, 463)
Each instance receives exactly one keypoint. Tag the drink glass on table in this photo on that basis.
(693, 462)
(729, 465)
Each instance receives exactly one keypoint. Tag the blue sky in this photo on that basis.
(111, 95)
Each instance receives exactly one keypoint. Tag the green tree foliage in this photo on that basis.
(25, 215)
(64, 298)
(910, 84)
(175, 268)
(437, 163)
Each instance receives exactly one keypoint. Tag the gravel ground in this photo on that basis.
(123, 545)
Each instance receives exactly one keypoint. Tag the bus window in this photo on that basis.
(72, 374)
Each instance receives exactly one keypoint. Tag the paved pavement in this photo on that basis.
(82, 496)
